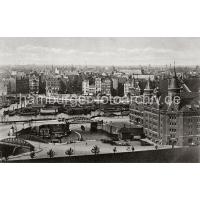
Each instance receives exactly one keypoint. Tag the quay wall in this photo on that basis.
(177, 155)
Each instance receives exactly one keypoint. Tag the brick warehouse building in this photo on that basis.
(169, 122)
(34, 83)
(22, 85)
(52, 85)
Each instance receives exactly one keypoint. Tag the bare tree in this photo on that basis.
(69, 151)
(32, 154)
(95, 150)
(51, 153)
(114, 149)
(83, 128)
(132, 149)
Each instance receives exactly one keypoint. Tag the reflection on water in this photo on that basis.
(18, 117)
(4, 128)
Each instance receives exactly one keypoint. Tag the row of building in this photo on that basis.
(53, 81)
(35, 83)
(168, 121)
(112, 86)
(23, 84)
(101, 85)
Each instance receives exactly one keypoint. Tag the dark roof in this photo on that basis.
(190, 102)
(193, 84)
(173, 83)
(129, 129)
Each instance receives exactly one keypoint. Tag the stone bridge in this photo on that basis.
(13, 146)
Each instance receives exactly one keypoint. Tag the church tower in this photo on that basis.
(137, 89)
(148, 90)
(173, 85)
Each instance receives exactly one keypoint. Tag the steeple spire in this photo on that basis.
(148, 90)
(173, 87)
(174, 70)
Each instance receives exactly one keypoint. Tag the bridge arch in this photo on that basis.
(79, 120)
(13, 141)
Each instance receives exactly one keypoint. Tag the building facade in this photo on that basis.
(174, 117)
(11, 87)
(127, 85)
(98, 85)
(85, 87)
(92, 90)
(106, 86)
(22, 85)
(34, 84)
(52, 86)
(88, 89)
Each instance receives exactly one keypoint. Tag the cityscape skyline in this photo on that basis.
(99, 111)
(99, 51)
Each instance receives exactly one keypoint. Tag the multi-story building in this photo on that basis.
(20, 74)
(92, 89)
(127, 85)
(34, 84)
(98, 85)
(22, 85)
(171, 117)
(143, 76)
(3, 88)
(115, 86)
(52, 86)
(88, 89)
(85, 87)
(106, 86)
(121, 82)
(115, 83)
(11, 87)
(135, 90)
(56, 71)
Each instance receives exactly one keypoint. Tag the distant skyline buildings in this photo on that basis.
(105, 51)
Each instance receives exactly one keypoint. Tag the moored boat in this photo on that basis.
(48, 111)
(12, 113)
(28, 112)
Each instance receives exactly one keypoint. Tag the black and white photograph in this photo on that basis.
(100, 100)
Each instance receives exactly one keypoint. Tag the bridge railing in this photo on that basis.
(17, 141)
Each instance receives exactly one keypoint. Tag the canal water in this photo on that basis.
(80, 148)
(4, 128)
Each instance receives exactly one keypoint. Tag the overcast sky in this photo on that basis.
(100, 51)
